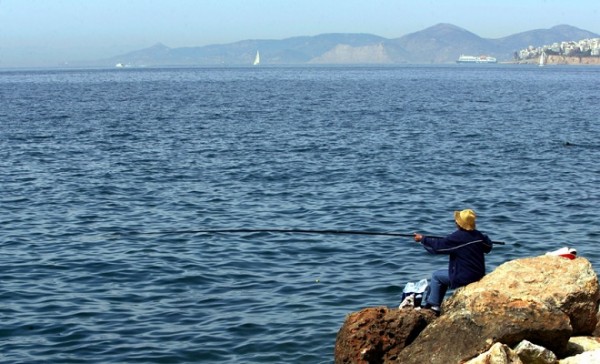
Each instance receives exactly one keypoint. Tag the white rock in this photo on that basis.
(534, 354)
(498, 354)
(589, 357)
(580, 344)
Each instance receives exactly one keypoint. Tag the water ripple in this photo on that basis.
(99, 168)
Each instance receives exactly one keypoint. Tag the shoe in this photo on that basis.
(437, 313)
(435, 309)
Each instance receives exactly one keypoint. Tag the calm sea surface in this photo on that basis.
(92, 162)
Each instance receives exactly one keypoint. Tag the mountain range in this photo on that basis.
(441, 43)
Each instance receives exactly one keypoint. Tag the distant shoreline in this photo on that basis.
(551, 61)
(564, 60)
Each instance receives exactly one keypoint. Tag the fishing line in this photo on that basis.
(281, 231)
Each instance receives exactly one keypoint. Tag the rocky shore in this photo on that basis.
(564, 60)
(540, 310)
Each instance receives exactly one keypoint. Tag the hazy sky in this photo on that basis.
(38, 32)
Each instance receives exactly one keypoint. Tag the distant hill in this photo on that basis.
(296, 50)
(441, 43)
(540, 37)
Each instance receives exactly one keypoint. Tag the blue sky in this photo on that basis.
(38, 32)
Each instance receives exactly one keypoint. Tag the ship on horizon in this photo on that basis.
(476, 59)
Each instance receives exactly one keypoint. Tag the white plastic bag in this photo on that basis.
(565, 252)
(412, 294)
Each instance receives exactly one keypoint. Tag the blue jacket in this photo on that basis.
(466, 250)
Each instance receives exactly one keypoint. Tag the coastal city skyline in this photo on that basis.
(35, 32)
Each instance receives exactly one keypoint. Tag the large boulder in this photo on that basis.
(544, 300)
(460, 335)
(570, 286)
(378, 334)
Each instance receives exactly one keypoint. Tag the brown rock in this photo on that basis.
(597, 329)
(568, 285)
(460, 335)
(378, 334)
(587, 60)
(543, 300)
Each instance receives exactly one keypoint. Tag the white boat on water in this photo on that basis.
(476, 59)
(542, 59)
(257, 59)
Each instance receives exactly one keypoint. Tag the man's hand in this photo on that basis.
(418, 237)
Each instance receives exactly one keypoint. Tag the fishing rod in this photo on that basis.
(286, 231)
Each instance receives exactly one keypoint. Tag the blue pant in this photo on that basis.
(437, 287)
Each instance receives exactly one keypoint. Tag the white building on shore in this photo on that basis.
(567, 48)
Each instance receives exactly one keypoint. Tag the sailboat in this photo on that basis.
(257, 59)
(542, 59)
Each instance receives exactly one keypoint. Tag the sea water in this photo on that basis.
(106, 174)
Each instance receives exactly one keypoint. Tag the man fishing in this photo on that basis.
(466, 247)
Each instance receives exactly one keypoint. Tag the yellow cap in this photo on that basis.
(465, 219)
